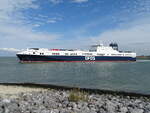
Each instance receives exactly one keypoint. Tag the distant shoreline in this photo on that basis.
(143, 57)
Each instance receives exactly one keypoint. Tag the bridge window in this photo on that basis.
(66, 53)
(55, 53)
(100, 54)
(73, 54)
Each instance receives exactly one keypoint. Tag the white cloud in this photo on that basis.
(135, 34)
(10, 9)
(51, 21)
(15, 29)
(54, 20)
(135, 38)
(60, 1)
(10, 49)
(56, 1)
(41, 20)
(37, 25)
(79, 1)
(24, 33)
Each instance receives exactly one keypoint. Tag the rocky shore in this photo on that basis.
(18, 99)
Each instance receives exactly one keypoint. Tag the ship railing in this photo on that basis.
(125, 51)
(62, 49)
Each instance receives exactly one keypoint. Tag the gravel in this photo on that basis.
(56, 101)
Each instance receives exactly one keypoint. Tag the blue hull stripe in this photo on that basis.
(73, 58)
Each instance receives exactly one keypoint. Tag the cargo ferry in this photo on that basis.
(97, 53)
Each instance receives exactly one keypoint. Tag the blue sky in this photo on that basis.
(74, 24)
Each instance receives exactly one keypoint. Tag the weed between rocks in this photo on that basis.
(78, 95)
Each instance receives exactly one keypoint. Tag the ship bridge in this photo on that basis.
(101, 48)
(95, 47)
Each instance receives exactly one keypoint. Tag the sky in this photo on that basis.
(74, 24)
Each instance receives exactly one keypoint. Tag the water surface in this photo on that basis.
(127, 76)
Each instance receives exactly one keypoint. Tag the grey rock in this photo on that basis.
(110, 107)
(91, 105)
(85, 110)
(55, 111)
(56, 101)
(136, 110)
(6, 101)
(123, 110)
(79, 105)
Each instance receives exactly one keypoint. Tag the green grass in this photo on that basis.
(77, 95)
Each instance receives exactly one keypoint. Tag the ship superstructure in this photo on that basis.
(95, 53)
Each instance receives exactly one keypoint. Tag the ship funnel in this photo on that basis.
(114, 46)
